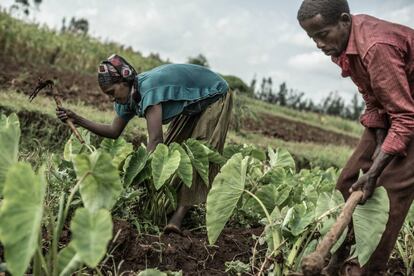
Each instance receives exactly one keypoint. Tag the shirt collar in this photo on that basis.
(351, 48)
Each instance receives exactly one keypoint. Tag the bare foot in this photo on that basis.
(174, 225)
(172, 228)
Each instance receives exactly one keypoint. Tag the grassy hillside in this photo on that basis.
(41, 45)
(306, 154)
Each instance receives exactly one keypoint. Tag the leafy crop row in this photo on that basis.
(295, 208)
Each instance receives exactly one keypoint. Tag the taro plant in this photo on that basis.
(155, 177)
(30, 228)
(295, 208)
(405, 243)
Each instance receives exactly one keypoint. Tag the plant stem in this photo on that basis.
(56, 234)
(40, 263)
(72, 194)
(293, 253)
(62, 215)
(275, 234)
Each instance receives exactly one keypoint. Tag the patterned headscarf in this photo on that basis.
(115, 69)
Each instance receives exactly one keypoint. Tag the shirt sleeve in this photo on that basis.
(372, 117)
(123, 112)
(386, 67)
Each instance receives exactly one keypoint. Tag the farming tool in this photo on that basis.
(313, 264)
(49, 84)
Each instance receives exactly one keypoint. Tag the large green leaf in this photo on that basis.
(163, 164)
(198, 154)
(117, 148)
(9, 144)
(268, 195)
(134, 165)
(225, 192)
(275, 176)
(410, 216)
(369, 222)
(328, 202)
(231, 149)
(21, 215)
(185, 169)
(299, 217)
(281, 158)
(68, 261)
(91, 232)
(73, 147)
(245, 150)
(102, 186)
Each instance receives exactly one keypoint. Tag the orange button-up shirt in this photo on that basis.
(379, 59)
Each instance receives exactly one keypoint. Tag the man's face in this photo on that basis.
(331, 39)
(118, 92)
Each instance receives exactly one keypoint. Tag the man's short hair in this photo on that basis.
(330, 10)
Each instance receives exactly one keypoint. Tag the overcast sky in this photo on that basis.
(239, 37)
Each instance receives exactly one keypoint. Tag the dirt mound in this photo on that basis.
(290, 130)
(190, 252)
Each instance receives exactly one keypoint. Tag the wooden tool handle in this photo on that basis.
(314, 262)
(75, 131)
(70, 122)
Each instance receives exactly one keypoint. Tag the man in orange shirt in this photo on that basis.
(378, 56)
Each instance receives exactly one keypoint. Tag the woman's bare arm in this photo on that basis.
(153, 114)
(112, 130)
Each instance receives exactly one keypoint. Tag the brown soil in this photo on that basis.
(290, 130)
(190, 252)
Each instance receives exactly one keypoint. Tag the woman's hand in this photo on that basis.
(64, 114)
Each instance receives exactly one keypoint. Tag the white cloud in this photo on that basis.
(403, 15)
(314, 61)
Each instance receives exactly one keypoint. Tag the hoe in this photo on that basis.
(49, 84)
(313, 264)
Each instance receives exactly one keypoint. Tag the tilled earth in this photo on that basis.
(290, 130)
(189, 252)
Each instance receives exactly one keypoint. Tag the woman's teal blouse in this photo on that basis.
(175, 86)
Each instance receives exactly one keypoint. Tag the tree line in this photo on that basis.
(333, 104)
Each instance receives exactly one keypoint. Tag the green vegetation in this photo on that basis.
(292, 206)
(263, 185)
(306, 154)
(25, 212)
(80, 53)
(238, 84)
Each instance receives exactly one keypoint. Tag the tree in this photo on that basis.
(236, 83)
(253, 84)
(356, 108)
(282, 94)
(199, 60)
(77, 26)
(25, 5)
